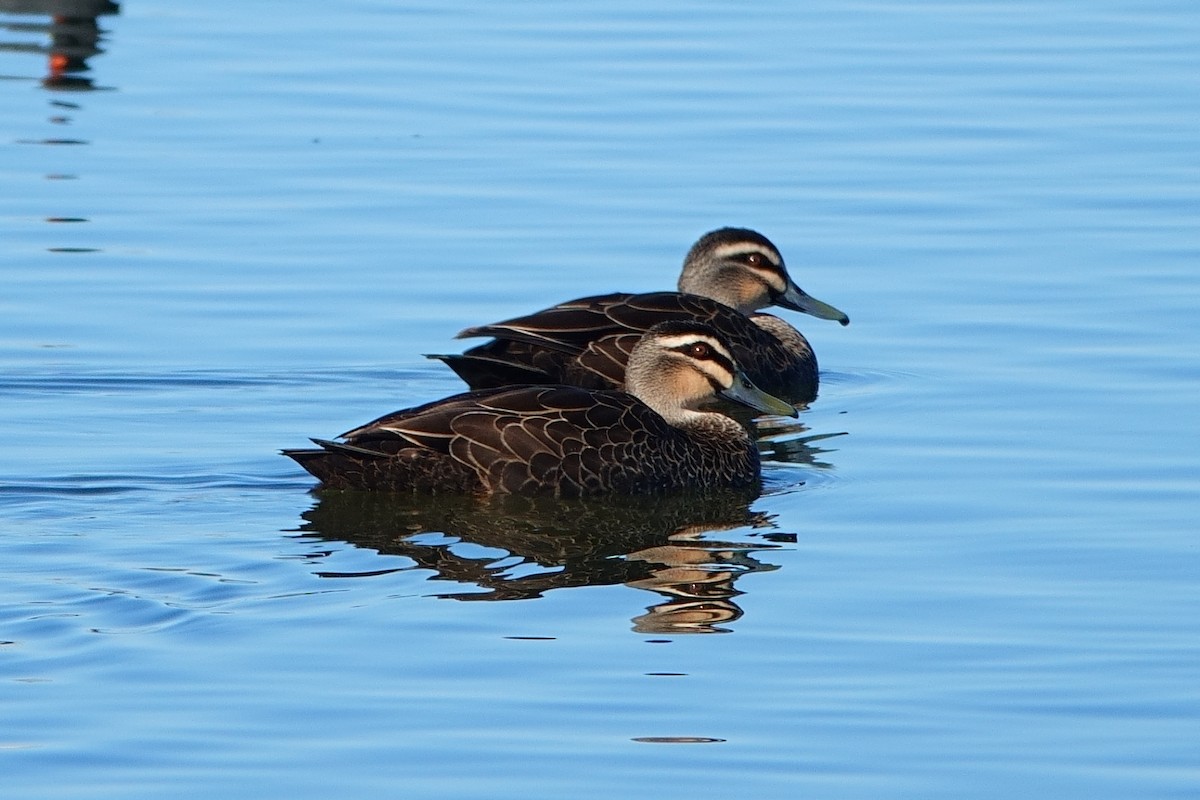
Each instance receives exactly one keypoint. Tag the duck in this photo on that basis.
(728, 276)
(668, 430)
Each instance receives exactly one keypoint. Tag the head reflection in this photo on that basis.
(688, 550)
(74, 37)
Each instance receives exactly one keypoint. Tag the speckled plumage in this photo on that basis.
(727, 276)
(565, 440)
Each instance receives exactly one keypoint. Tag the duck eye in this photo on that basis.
(754, 259)
(700, 350)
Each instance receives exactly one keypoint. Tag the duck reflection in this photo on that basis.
(525, 547)
(74, 32)
(791, 442)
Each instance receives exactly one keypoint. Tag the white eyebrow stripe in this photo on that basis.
(737, 248)
(677, 340)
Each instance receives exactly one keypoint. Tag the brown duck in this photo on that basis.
(728, 276)
(663, 434)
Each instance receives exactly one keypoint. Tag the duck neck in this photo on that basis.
(719, 287)
(708, 425)
(791, 338)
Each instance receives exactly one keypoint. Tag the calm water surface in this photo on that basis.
(972, 573)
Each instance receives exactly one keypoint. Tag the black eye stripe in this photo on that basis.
(758, 260)
(765, 271)
(710, 354)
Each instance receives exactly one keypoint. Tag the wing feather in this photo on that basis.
(587, 342)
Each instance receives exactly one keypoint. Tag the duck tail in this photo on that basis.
(333, 460)
(480, 372)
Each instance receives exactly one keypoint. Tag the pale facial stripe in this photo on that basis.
(718, 374)
(772, 276)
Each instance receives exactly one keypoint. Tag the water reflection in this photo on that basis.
(790, 441)
(74, 37)
(515, 548)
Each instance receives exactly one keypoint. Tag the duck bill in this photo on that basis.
(744, 392)
(796, 299)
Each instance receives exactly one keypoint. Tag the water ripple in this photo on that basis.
(66, 382)
(93, 485)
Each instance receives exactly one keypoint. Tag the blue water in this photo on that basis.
(973, 573)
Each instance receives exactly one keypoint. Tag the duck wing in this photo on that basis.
(570, 326)
(557, 439)
(602, 363)
(566, 327)
(587, 342)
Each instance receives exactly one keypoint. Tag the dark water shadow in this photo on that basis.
(689, 550)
